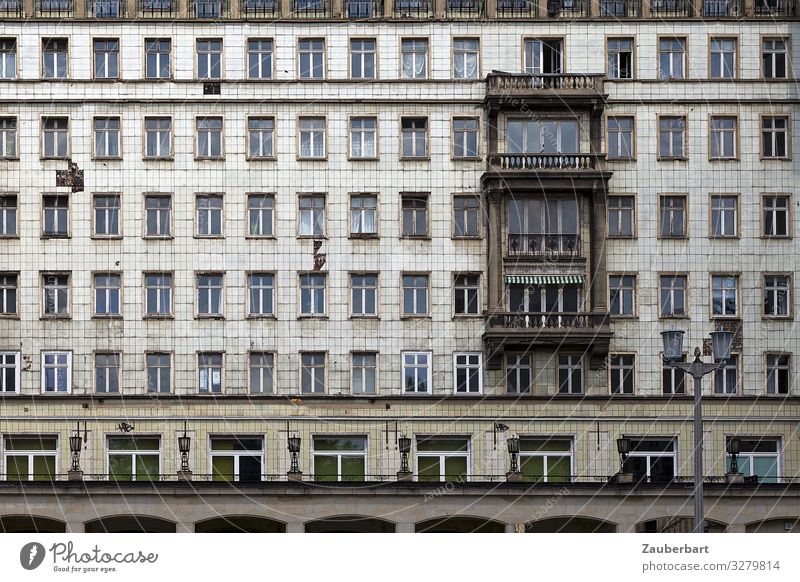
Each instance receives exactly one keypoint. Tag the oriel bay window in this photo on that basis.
(651, 460)
(442, 458)
(542, 136)
(30, 457)
(237, 458)
(547, 460)
(758, 456)
(545, 294)
(544, 227)
(340, 458)
(133, 458)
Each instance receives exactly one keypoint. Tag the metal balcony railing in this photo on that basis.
(54, 8)
(517, 8)
(106, 8)
(519, 83)
(209, 9)
(543, 161)
(567, 8)
(620, 8)
(260, 8)
(311, 9)
(412, 9)
(358, 9)
(773, 8)
(463, 8)
(544, 246)
(722, 8)
(11, 8)
(553, 319)
(670, 8)
(157, 8)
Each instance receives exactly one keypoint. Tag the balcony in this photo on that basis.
(209, 9)
(157, 8)
(106, 9)
(722, 8)
(54, 8)
(463, 8)
(544, 161)
(11, 8)
(311, 9)
(361, 9)
(412, 9)
(545, 173)
(671, 8)
(773, 8)
(517, 9)
(260, 8)
(562, 91)
(567, 8)
(620, 8)
(544, 246)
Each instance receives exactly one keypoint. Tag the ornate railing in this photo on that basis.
(358, 9)
(157, 8)
(545, 246)
(773, 8)
(620, 8)
(543, 161)
(538, 320)
(507, 83)
(463, 8)
(412, 9)
(260, 8)
(54, 8)
(670, 8)
(311, 9)
(11, 8)
(517, 8)
(722, 8)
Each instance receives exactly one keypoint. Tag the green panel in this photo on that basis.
(766, 468)
(443, 445)
(147, 467)
(133, 443)
(326, 468)
(428, 468)
(236, 444)
(17, 468)
(222, 468)
(44, 468)
(340, 444)
(119, 467)
(455, 468)
(531, 467)
(31, 443)
(544, 445)
(353, 469)
(559, 469)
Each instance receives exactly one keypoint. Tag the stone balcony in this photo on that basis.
(549, 173)
(574, 90)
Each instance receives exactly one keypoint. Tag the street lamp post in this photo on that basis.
(673, 352)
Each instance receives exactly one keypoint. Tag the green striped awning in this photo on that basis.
(545, 279)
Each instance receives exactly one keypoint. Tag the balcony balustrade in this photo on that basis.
(722, 8)
(54, 8)
(106, 9)
(311, 9)
(545, 246)
(620, 8)
(463, 8)
(360, 9)
(11, 8)
(543, 162)
(517, 9)
(412, 9)
(773, 8)
(671, 8)
(260, 8)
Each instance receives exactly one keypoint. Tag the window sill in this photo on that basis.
(209, 158)
(8, 237)
(412, 316)
(313, 236)
(466, 237)
(362, 159)
(763, 237)
(733, 317)
(780, 318)
(261, 159)
(468, 316)
(675, 238)
(9, 159)
(415, 159)
(54, 158)
(735, 237)
(621, 237)
(266, 316)
(260, 237)
(466, 159)
(153, 317)
(209, 236)
(609, 160)
(9, 316)
(681, 159)
(312, 316)
(358, 236)
(623, 317)
(55, 237)
(55, 317)
(411, 237)
(101, 316)
(165, 237)
(725, 159)
(311, 159)
(357, 317)
(763, 159)
(673, 317)
(106, 237)
(209, 317)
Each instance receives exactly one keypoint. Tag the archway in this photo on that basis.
(350, 524)
(460, 524)
(31, 524)
(570, 524)
(239, 524)
(677, 524)
(775, 525)
(130, 524)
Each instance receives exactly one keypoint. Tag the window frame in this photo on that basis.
(210, 315)
(455, 276)
(678, 377)
(69, 372)
(416, 314)
(212, 368)
(479, 54)
(736, 139)
(170, 357)
(299, 139)
(350, 156)
(634, 290)
(95, 155)
(426, 73)
(118, 234)
(312, 295)
(608, 132)
(787, 43)
(364, 235)
(171, 133)
(712, 196)
(197, 54)
(621, 369)
(42, 287)
(580, 366)
(247, 209)
(685, 153)
(298, 55)
(94, 53)
(736, 67)
(273, 68)
(478, 221)
(789, 299)
(426, 196)
(235, 455)
(778, 366)
(170, 211)
(468, 366)
(376, 58)
(608, 53)
(339, 454)
(30, 454)
(15, 314)
(3, 215)
(15, 72)
(42, 131)
(56, 235)
(120, 376)
(15, 120)
(686, 295)
(42, 41)
(737, 295)
(248, 154)
(453, 141)
(353, 355)
(545, 455)
(95, 289)
(507, 370)
(685, 42)
(662, 196)
(738, 356)
(543, 38)
(145, 288)
(171, 55)
(634, 230)
(428, 374)
(209, 196)
(17, 373)
(200, 156)
(787, 134)
(789, 217)
(314, 379)
(312, 195)
(271, 367)
(442, 455)
(426, 136)
(352, 291)
(134, 453)
(272, 312)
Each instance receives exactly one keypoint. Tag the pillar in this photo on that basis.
(295, 527)
(404, 527)
(494, 251)
(598, 277)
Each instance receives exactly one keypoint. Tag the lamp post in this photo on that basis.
(733, 447)
(294, 474)
(623, 448)
(513, 450)
(721, 342)
(404, 444)
(184, 446)
(75, 473)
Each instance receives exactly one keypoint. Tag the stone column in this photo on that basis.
(184, 527)
(233, 8)
(295, 527)
(404, 527)
(598, 277)
(494, 250)
(183, 8)
(438, 8)
(81, 8)
(749, 8)
(28, 7)
(594, 8)
(75, 527)
(491, 8)
(337, 8)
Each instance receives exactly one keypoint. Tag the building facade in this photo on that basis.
(356, 222)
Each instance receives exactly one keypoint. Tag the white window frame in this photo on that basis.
(414, 58)
(7, 307)
(158, 367)
(265, 374)
(8, 58)
(772, 372)
(340, 453)
(104, 213)
(363, 139)
(206, 206)
(521, 363)
(546, 454)
(31, 454)
(107, 57)
(312, 369)
(359, 215)
(107, 290)
(134, 453)
(474, 361)
(68, 367)
(106, 137)
(443, 455)
(313, 289)
(204, 58)
(363, 290)
(236, 454)
(209, 290)
(314, 54)
(17, 372)
(107, 367)
(571, 366)
(211, 370)
(362, 372)
(53, 288)
(727, 218)
(264, 215)
(9, 128)
(264, 53)
(264, 308)
(206, 128)
(618, 372)
(311, 137)
(426, 369)
(264, 136)
(362, 56)
(158, 288)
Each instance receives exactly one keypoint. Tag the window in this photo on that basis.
(107, 291)
(106, 137)
(259, 59)
(546, 460)
(621, 216)
(262, 372)
(723, 58)
(158, 137)
(134, 458)
(671, 58)
(158, 215)
(55, 210)
(415, 295)
(261, 289)
(673, 381)
(312, 372)
(8, 216)
(30, 457)
(672, 217)
(545, 299)
(531, 136)
(107, 373)
(237, 458)
(260, 213)
(8, 58)
(55, 61)
(363, 135)
(209, 371)
(622, 373)
(442, 459)
(312, 137)
(312, 215)
(465, 137)
(260, 137)
(519, 373)
(362, 58)
(544, 56)
(55, 295)
(364, 215)
(758, 457)
(620, 58)
(724, 216)
(774, 58)
(209, 295)
(466, 215)
(312, 294)
(340, 458)
(417, 372)
(209, 137)
(570, 374)
(106, 58)
(777, 296)
(209, 215)
(9, 290)
(776, 217)
(106, 215)
(651, 460)
(414, 208)
(159, 373)
(414, 134)
(726, 377)
(723, 138)
(774, 137)
(364, 378)
(8, 137)
(623, 295)
(466, 58)
(158, 294)
(312, 58)
(467, 373)
(55, 137)
(209, 58)
(778, 373)
(671, 137)
(364, 295)
(724, 291)
(157, 58)
(672, 290)
(57, 372)
(620, 138)
(414, 58)
(544, 227)
(9, 372)
(466, 295)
